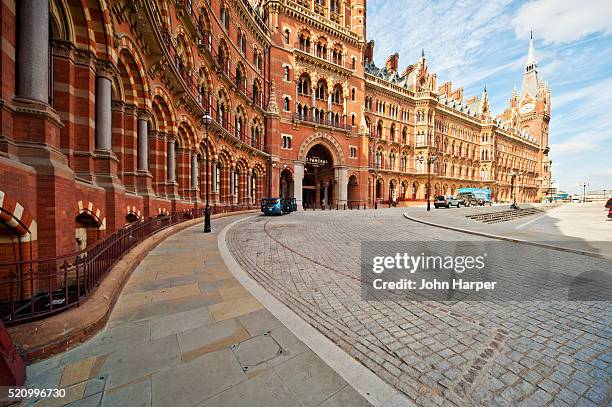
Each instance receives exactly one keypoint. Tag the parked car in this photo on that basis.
(609, 204)
(272, 206)
(610, 213)
(446, 201)
(289, 205)
(467, 198)
(483, 195)
(293, 204)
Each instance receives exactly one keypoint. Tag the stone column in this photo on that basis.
(213, 176)
(298, 178)
(143, 145)
(326, 194)
(313, 100)
(231, 185)
(103, 114)
(171, 162)
(341, 174)
(194, 170)
(32, 68)
(248, 199)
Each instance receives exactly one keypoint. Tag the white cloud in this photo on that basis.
(558, 21)
(572, 146)
(600, 93)
(456, 33)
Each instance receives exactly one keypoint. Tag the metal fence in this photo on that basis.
(34, 289)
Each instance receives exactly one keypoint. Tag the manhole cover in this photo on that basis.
(257, 350)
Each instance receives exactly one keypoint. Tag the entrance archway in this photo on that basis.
(319, 178)
(87, 230)
(379, 189)
(392, 191)
(286, 184)
(353, 191)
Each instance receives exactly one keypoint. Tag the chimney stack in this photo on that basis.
(369, 51)
(445, 89)
(392, 63)
(458, 94)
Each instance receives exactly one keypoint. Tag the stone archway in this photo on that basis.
(353, 191)
(320, 176)
(326, 140)
(286, 183)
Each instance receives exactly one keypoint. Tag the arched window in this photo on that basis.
(286, 73)
(224, 16)
(238, 125)
(240, 79)
(321, 49)
(253, 186)
(392, 160)
(221, 113)
(304, 42)
(218, 177)
(256, 94)
(286, 36)
(321, 92)
(286, 104)
(405, 136)
(236, 184)
(420, 138)
(379, 155)
(337, 95)
(304, 87)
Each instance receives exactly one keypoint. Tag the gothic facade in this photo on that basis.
(102, 117)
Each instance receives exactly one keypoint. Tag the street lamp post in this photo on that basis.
(584, 185)
(430, 160)
(513, 175)
(207, 119)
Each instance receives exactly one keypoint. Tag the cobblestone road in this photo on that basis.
(533, 353)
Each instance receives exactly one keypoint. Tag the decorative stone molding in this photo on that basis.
(328, 141)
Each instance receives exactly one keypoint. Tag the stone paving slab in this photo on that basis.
(177, 336)
(503, 353)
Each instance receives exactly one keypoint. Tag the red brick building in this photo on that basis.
(102, 116)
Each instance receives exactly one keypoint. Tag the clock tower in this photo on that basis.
(534, 114)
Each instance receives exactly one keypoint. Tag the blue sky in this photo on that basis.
(473, 43)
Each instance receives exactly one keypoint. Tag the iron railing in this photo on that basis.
(34, 289)
(325, 122)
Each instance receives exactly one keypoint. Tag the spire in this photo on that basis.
(530, 78)
(422, 52)
(484, 104)
(531, 63)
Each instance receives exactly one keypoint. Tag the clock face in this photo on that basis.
(528, 107)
